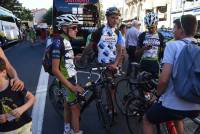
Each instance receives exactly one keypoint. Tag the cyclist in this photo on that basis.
(109, 44)
(15, 82)
(170, 106)
(64, 70)
(150, 44)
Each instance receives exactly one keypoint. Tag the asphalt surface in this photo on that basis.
(27, 61)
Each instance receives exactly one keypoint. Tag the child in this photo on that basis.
(13, 116)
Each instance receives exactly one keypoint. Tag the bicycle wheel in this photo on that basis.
(134, 113)
(105, 108)
(56, 98)
(197, 131)
(123, 93)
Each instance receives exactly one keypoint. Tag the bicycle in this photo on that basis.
(125, 88)
(137, 104)
(94, 91)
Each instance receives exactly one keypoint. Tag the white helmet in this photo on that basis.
(150, 19)
(66, 20)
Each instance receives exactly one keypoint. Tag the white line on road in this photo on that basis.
(38, 109)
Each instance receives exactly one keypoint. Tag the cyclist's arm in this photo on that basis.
(168, 61)
(140, 47)
(56, 71)
(164, 79)
(30, 99)
(16, 83)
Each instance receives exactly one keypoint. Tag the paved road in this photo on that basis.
(27, 61)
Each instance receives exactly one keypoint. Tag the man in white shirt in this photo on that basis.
(131, 43)
(170, 107)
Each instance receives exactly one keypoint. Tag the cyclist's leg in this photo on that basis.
(151, 66)
(74, 110)
(179, 125)
(158, 114)
(67, 113)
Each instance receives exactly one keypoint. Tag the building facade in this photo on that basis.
(136, 9)
(38, 15)
(167, 10)
(180, 7)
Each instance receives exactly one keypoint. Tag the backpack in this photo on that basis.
(186, 80)
(47, 58)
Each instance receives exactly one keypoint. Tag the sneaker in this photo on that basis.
(69, 132)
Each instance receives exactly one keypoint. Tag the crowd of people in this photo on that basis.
(36, 34)
(110, 43)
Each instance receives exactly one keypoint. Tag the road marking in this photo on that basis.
(39, 106)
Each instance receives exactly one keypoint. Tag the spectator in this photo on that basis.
(15, 82)
(13, 115)
(170, 106)
(131, 43)
(123, 30)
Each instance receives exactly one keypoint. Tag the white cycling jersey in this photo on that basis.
(107, 50)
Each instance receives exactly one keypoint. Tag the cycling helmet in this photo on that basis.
(150, 19)
(112, 11)
(66, 20)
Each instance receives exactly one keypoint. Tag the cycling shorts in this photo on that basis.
(151, 66)
(70, 96)
(158, 114)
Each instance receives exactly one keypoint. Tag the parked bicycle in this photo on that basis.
(95, 90)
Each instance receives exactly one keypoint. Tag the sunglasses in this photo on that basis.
(151, 27)
(73, 27)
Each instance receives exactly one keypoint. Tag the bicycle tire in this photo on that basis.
(57, 100)
(197, 131)
(103, 116)
(123, 93)
(134, 114)
(102, 108)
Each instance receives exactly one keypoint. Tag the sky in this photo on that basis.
(33, 4)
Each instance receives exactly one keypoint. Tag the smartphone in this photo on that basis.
(10, 117)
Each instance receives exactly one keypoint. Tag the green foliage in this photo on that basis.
(17, 9)
(48, 16)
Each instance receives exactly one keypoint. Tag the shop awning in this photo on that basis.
(159, 3)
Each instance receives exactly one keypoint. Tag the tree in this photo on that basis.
(48, 17)
(25, 14)
(17, 9)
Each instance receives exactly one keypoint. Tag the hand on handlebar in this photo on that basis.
(77, 89)
(112, 67)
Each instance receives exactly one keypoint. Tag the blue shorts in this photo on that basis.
(158, 114)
